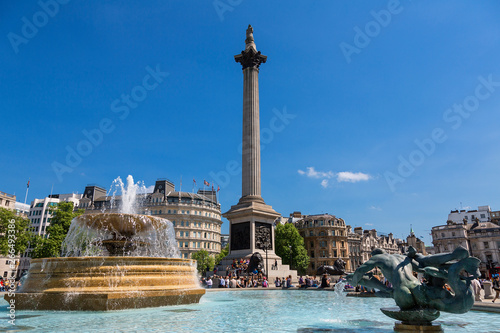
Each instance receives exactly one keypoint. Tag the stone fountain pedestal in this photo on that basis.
(410, 328)
(414, 321)
(108, 283)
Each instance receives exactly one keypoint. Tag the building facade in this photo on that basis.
(480, 238)
(196, 216)
(40, 215)
(8, 201)
(325, 239)
(482, 213)
(354, 240)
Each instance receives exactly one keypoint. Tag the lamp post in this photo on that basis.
(290, 247)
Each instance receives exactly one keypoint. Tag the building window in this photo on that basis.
(311, 243)
(312, 254)
(483, 216)
(322, 243)
(311, 233)
(486, 245)
(335, 253)
(453, 233)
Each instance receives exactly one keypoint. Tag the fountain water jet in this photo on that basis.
(113, 261)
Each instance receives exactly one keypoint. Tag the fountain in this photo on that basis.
(113, 261)
(446, 285)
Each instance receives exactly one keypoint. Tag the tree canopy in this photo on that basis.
(222, 254)
(59, 227)
(289, 243)
(8, 219)
(204, 261)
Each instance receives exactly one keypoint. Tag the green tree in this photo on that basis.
(56, 232)
(222, 254)
(204, 261)
(20, 226)
(289, 244)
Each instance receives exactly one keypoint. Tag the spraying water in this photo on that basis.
(121, 234)
(129, 194)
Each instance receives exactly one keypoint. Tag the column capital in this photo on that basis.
(250, 57)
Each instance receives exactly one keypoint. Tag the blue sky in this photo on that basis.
(384, 113)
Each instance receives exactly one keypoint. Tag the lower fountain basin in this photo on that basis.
(108, 283)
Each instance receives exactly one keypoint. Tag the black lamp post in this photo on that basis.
(290, 247)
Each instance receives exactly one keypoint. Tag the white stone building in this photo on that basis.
(40, 216)
(483, 213)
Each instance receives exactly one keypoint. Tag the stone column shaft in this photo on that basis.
(251, 134)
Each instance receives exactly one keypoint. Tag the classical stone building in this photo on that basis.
(325, 238)
(354, 240)
(482, 239)
(7, 201)
(196, 216)
(416, 242)
(482, 213)
(369, 241)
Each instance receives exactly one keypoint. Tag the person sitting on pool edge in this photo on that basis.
(325, 281)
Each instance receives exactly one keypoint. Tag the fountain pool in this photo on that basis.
(242, 311)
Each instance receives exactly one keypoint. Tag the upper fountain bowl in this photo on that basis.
(116, 234)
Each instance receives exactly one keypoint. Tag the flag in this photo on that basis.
(28, 185)
(206, 183)
(212, 187)
(194, 181)
(218, 188)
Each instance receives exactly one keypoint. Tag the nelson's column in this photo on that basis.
(251, 220)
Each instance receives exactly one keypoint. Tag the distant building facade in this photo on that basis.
(479, 236)
(196, 216)
(325, 239)
(415, 242)
(482, 213)
(354, 239)
(40, 215)
(8, 201)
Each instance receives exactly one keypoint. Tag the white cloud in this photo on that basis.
(344, 176)
(352, 177)
(312, 173)
(375, 208)
(368, 223)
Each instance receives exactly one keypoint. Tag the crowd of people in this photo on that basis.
(233, 281)
(5, 284)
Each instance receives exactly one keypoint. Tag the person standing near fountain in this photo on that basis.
(496, 287)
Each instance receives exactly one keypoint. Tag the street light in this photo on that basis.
(290, 247)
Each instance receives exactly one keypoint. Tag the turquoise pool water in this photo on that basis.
(244, 311)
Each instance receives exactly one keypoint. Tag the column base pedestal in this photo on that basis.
(407, 328)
